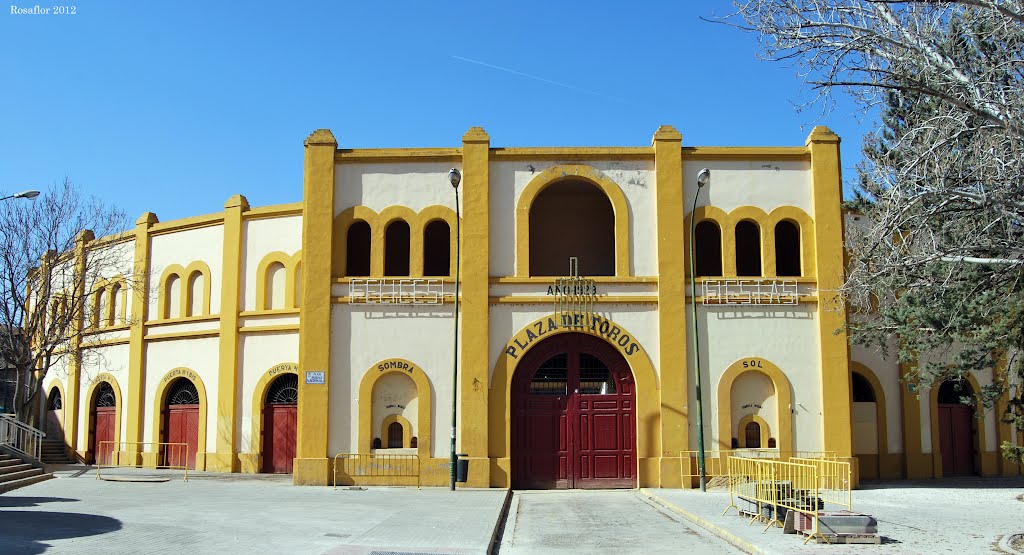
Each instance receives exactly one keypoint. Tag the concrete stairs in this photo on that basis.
(54, 452)
(15, 473)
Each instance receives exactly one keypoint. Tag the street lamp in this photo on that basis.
(703, 178)
(31, 193)
(455, 177)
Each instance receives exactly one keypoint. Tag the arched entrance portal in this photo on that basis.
(181, 423)
(280, 414)
(957, 431)
(573, 416)
(104, 418)
(54, 415)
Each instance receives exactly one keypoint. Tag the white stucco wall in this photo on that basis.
(259, 238)
(205, 244)
(201, 355)
(766, 184)
(887, 371)
(415, 185)
(257, 354)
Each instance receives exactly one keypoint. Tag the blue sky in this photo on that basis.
(175, 106)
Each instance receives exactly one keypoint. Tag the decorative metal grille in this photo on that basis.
(574, 298)
(105, 397)
(751, 291)
(183, 392)
(397, 291)
(54, 402)
(595, 378)
(284, 390)
(552, 376)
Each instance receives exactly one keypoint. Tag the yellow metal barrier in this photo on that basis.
(362, 465)
(801, 485)
(716, 463)
(142, 454)
(835, 481)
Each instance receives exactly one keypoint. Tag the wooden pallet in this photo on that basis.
(845, 538)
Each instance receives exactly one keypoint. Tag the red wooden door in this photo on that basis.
(105, 419)
(573, 422)
(956, 440)
(181, 425)
(279, 431)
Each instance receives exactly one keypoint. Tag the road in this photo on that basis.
(604, 521)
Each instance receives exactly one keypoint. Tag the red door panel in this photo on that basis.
(279, 429)
(182, 426)
(956, 439)
(105, 419)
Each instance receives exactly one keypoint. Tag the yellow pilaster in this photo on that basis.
(473, 363)
(137, 332)
(78, 304)
(672, 315)
(224, 460)
(311, 457)
(834, 355)
(916, 463)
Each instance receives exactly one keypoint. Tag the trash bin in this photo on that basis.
(461, 467)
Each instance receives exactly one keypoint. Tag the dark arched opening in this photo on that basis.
(752, 435)
(437, 254)
(707, 249)
(357, 249)
(280, 424)
(748, 249)
(104, 422)
(396, 435)
(396, 249)
(787, 249)
(572, 218)
(862, 390)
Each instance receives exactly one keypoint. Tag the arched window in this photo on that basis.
(707, 249)
(182, 392)
(748, 249)
(97, 318)
(172, 304)
(395, 435)
(787, 249)
(105, 396)
(862, 390)
(116, 304)
(273, 297)
(396, 249)
(437, 254)
(195, 294)
(572, 218)
(53, 401)
(952, 392)
(357, 249)
(284, 390)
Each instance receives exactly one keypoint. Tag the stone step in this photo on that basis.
(22, 482)
(9, 462)
(11, 476)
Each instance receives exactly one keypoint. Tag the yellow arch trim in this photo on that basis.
(176, 271)
(423, 397)
(290, 263)
(933, 415)
(761, 422)
(342, 222)
(586, 173)
(386, 217)
(783, 392)
(160, 397)
(259, 397)
(805, 225)
(721, 219)
(90, 400)
(94, 319)
(184, 274)
(426, 216)
(406, 429)
(645, 379)
(63, 415)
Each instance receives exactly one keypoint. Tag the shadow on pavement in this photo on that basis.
(1007, 482)
(15, 501)
(25, 532)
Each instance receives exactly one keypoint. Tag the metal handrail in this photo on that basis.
(21, 437)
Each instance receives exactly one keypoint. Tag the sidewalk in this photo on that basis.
(964, 515)
(232, 513)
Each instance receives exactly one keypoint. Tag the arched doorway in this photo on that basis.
(104, 419)
(865, 426)
(280, 416)
(181, 423)
(573, 416)
(957, 430)
(54, 415)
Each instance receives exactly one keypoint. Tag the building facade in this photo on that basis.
(273, 339)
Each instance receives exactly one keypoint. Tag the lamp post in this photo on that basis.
(30, 194)
(703, 178)
(455, 177)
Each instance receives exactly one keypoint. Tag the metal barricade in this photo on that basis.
(142, 454)
(375, 465)
(716, 463)
(835, 481)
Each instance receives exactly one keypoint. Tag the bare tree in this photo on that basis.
(938, 263)
(55, 280)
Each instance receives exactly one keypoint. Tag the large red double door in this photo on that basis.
(573, 416)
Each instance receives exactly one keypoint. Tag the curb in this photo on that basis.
(711, 527)
(502, 515)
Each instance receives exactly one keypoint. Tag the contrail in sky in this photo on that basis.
(542, 80)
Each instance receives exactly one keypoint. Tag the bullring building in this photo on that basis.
(271, 339)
